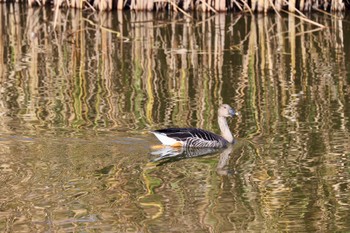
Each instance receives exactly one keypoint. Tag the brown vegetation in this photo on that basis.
(197, 5)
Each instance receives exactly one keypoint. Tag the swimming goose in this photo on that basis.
(194, 137)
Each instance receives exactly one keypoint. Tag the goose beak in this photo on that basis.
(232, 112)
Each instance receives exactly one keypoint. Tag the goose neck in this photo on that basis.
(225, 130)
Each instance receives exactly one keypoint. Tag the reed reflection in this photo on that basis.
(135, 72)
(173, 72)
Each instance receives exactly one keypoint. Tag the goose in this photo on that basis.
(194, 137)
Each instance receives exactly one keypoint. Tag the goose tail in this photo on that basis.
(167, 141)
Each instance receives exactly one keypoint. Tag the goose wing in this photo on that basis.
(190, 137)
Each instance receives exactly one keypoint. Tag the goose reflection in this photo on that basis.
(166, 155)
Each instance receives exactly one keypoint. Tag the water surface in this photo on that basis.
(79, 92)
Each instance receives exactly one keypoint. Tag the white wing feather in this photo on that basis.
(165, 140)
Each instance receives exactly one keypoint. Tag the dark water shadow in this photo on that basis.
(230, 159)
(175, 154)
(168, 155)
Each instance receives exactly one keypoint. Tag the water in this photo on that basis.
(79, 92)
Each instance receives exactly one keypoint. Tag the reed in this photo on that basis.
(201, 5)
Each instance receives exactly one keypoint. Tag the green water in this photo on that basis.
(80, 91)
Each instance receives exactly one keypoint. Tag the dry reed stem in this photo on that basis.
(305, 19)
(291, 6)
(266, 6)
(186, 4)
(274, 8)
(278, 4)
(207, 5)
(220, 5)
(175, 7)
(299, 12)
(301, 4)
(89, 5)
(56, 16)
(247, 5)
(120, 5)
(237, 4)
(259, 5)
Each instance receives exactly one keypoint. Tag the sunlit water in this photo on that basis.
(77, 102)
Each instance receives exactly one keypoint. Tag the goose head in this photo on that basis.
(226, 111)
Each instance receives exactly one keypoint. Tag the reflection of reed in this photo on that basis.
(190, 79)
(291, 86)
(302, 97)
